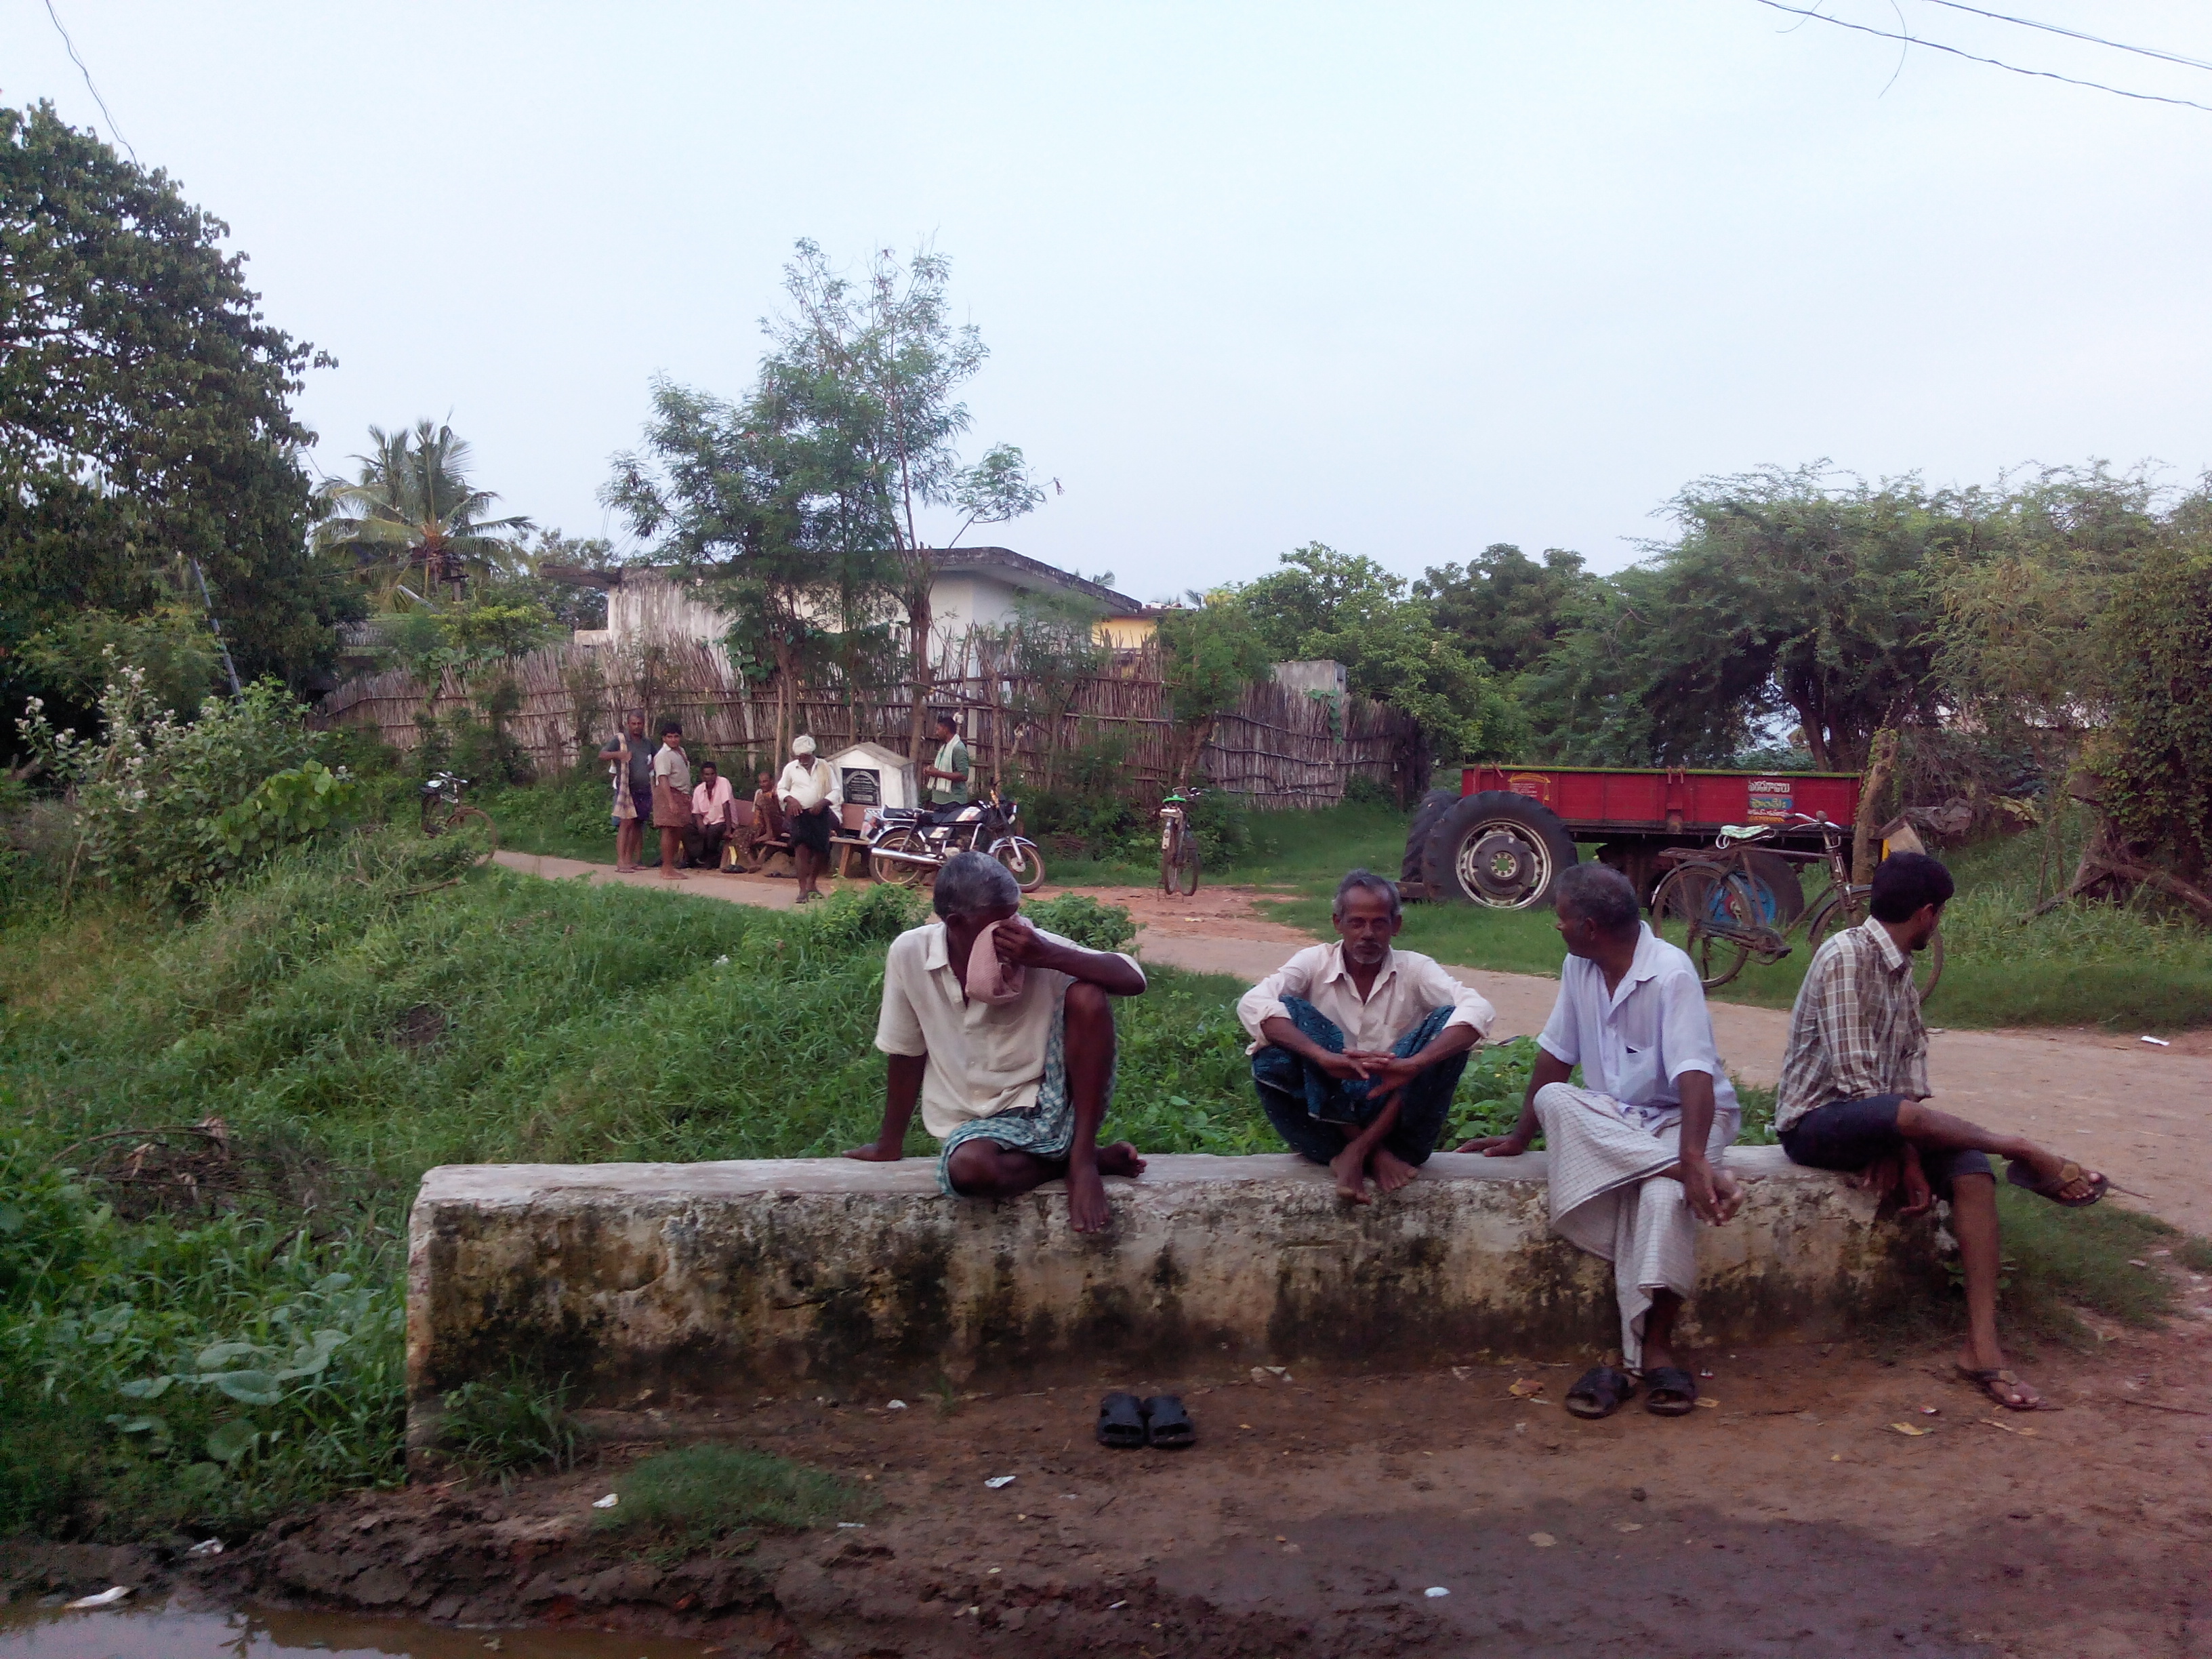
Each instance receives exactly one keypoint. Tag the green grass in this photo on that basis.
(695, 1498)
(2062, 1259)
(355, 1015)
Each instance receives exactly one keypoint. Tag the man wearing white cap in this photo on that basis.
(809, 792)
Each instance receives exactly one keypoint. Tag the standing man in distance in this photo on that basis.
(1854, 1096)
(948, 777)
(1636, 1152)
(1356, 1046)
(629, 750)
(672, 798)
(809, 795)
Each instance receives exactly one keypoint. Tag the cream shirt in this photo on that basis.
(1406, 986)
(984, 1058)
(807, 788)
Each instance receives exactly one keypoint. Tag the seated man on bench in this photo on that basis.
(1635, 1152)
(1357, 1047)
(1005, 1035)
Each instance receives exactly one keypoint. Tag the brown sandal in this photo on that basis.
(2020, 1175)
(1995, 1379)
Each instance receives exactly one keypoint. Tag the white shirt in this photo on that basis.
(807, 788)
(1633, 1042)
(984, 1058)
(1406, 986)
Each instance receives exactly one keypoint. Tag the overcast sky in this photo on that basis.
(1406, 279)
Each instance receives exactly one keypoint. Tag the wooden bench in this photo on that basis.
(848, 852)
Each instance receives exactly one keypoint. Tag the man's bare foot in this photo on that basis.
(1391, 1172)
(1729, 1192)
(2049, 1166)
(1087, 1209)
(1350, 1169)
(1120, 1159)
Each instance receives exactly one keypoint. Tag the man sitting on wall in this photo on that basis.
(1356, 1046)
(1005, 1035)
(1636, 1152)
(1854, 1096)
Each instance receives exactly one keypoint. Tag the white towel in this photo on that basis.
(1604, 1199)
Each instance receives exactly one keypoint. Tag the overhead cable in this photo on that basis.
(87, 73)
(2163, 56)
(1994, 62)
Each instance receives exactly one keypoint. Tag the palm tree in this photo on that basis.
(414, 521)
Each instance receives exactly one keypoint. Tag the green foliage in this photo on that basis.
(171, 641)
(697, 1497)
(1331, 605)
(500, 1426)
(1782, 596)
(2194, 1254)
(1079, 916)
(2060, 1259)
(152, 794)
(411, 524)
(288, 806)
(145, 422)
(1506, 608)
(1490, 1090)
(1208, 654)
(2155, 759)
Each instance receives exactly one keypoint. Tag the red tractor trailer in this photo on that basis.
(1502, 838)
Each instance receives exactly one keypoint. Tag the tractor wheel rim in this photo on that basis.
(1501, 865)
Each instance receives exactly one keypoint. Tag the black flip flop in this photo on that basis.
(1120, 1422)
(1168, 1423)
(1600, 1392)
(1678, 1387)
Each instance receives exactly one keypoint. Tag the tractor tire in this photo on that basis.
(1497, 848)
(1426, 815)
(1774, 878)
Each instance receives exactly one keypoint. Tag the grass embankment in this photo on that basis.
(2130, 967)
(207, 1332)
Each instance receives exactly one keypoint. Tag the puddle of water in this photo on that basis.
(161, 1633)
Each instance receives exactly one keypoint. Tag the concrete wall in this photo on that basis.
(717, 1281)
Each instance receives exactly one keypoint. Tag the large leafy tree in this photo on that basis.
(862, 383)
(145, 422)
(1506, 607)
(1330, 604)
(413, 522)
(1783, 596)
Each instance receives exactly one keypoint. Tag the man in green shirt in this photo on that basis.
(948, 778)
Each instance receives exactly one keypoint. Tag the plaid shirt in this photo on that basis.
(1856, 1029)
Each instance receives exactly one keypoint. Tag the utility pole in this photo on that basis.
(237, 691)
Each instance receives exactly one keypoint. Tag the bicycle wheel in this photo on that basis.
(473, 817)
(896, 871)
(1700, 906)
(1186, 871)
(1929, 969)
(1170, 856)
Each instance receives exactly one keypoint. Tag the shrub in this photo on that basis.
(500, 1425)
(1079, 916)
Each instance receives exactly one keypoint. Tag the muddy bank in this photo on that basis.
(1790, 1516)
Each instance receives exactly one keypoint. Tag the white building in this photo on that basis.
(974, 586)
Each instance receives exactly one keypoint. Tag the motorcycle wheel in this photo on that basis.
(1023, 862)
(897, 873)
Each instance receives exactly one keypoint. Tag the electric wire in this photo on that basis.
(1994, 62)
(2159, 53)
(88, 86)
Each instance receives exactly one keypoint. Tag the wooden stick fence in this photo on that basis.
(1278, 747)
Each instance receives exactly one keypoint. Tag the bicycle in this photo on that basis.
(1178, 845)
(443, 812)
(1726, 916)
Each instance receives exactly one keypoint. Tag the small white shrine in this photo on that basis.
(872, 775)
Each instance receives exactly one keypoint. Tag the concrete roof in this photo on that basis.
(1016, 569)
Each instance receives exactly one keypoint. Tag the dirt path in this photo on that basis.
(1315, 1514)
(2140, 1112)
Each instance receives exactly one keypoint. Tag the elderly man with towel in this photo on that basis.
(1635, 1153)
(1005, 1035)
(809, 794)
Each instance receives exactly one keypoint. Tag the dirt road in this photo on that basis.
(2140, 1112)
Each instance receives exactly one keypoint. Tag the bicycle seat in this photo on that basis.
(1734, 835)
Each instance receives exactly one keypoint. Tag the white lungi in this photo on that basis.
(1607, 1196)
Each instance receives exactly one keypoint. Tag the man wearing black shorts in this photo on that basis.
(1854, 1096)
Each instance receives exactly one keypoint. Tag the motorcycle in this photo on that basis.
(908, 845)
